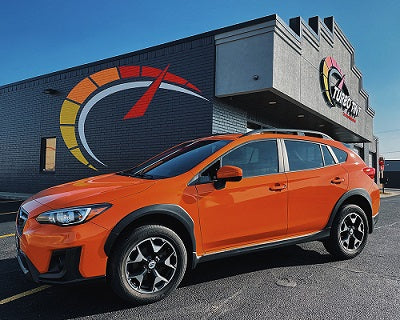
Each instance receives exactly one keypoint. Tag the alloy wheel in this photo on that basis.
(352, 231)
(151, 265)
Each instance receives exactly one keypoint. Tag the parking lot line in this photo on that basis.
(4, 213)
(24, 294)
(7, 235)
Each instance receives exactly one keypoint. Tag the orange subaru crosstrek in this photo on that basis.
(203, 199)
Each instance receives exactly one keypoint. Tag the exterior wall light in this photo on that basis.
(50, 91)
(300, 116)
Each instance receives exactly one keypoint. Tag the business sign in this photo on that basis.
(335, 90)
(94, 88)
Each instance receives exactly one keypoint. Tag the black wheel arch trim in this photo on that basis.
(354, 192)
(171, 210)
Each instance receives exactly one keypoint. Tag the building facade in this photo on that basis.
(109, 115)
(391, 174)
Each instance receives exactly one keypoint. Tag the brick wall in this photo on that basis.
(27, 115)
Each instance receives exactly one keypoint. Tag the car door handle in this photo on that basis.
(337, 180)
(278, 187)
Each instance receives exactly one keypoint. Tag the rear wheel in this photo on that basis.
(349, 233)
(147, 265)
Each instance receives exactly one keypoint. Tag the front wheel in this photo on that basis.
(349, 233)
(147, 265)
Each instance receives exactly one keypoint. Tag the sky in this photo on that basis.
(42, 36)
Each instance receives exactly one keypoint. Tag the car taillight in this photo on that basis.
(370, 172)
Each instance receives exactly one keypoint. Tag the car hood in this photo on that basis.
(104, 188)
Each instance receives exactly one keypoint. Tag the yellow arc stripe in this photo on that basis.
(24, 294)
(7, 235)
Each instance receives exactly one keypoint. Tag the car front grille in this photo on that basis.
(21, 220)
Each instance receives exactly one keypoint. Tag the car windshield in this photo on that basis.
(176, 160)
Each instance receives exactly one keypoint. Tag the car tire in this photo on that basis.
(349, 233)
(146, 265)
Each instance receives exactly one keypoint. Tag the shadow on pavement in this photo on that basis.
(95, 297)
(270, 259)
(7, 217)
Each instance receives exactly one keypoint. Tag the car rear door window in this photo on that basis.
(255, 158)
(303, 155)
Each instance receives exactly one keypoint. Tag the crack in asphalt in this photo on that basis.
(220, 308)
(388, 225)
(384, 276)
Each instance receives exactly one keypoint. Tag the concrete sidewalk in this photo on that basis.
(390, 192)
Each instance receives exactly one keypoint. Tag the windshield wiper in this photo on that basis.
(142, 175)
(136, 175)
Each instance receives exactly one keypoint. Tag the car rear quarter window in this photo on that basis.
(340, 154)
(328, 159)
(303, 155)
(255, 158)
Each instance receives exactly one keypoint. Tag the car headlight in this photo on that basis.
(69, 216)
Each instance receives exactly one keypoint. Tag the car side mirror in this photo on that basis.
(227, 173)
(230, 173)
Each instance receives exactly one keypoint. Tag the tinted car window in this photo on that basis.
(210, 174)
(178, 160)
(328, 159)
(254, 158)
(340, 154)
(303, 155)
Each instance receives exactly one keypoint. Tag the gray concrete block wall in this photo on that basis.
(27, 115)
(244, 60)
(297, 71)
(228, 119)
(287, 59)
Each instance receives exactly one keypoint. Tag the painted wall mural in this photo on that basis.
(92, 89)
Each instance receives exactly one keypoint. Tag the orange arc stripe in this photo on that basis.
(81, 91)
(105, 76)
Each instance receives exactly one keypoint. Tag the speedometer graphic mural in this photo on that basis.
(335, 89)
(94, 88)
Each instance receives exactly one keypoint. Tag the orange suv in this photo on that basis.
(203, 199)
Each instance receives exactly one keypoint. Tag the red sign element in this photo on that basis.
(381, 163)
(349, 117)
(142, 104)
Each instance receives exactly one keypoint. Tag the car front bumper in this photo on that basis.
(53, 254)
(64, 267)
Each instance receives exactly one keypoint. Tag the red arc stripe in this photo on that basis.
(142, 104)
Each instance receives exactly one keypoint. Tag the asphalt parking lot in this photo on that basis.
(297, 282)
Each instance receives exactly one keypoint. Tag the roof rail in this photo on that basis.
(297, 132)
